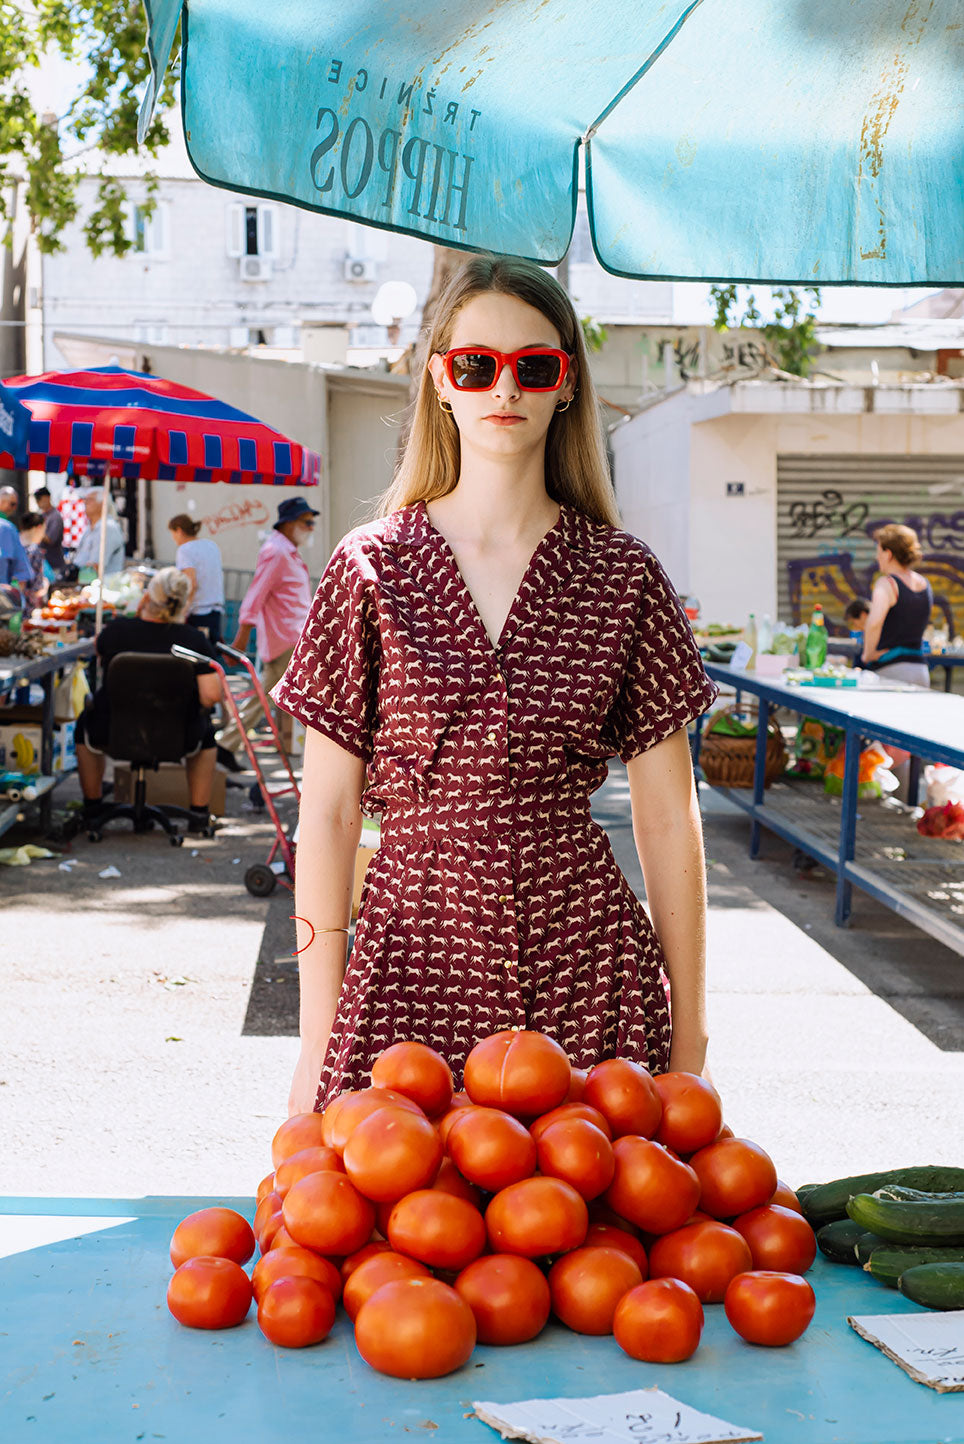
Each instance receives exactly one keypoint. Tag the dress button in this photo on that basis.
(492, 735)
(503, 898)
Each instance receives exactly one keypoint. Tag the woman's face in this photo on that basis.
(506, 421)
(179, 536)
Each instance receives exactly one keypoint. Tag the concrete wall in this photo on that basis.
(672, 469)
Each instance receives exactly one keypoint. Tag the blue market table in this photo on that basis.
(919, 877)
(92, 1356)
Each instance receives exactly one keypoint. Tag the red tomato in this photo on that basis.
(296, 1262)
(524, 1073)
(577, 1152)
(212, 1231)
(367, 1251)
(384, 1268)
(535, 1217)
(508, 1295)
(725, 1132)
(307, 1160)
(626, 1095)
(569, 1110)
(281, 1238)
(704, 1255)
(271, 1203)
(273, 1225)
(779, 1239)
(417, 1071)
(325, 1211)
(209, 1293)
(491, 1148)
(769, 1308)
(391, 1153)
(600, 1212)
(587, 1284)
(301, 1130)
(735, 1175)
(659, 1322)
(449, 1180)
(692, 1112)
(607, 1235)
(437, 1228)
(577, 1085)
(344, 1114)
(447, 1120)
(652, 1189)
(415, 1329)
(784, 1195)
(295, 1312)
(265, 1186)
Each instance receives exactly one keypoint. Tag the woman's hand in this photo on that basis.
(304, 1083)
(688, 1056)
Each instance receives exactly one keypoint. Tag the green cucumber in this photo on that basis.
(914, 1195)
(932, 1223)
(935, 1285)
(865, 1245)
(889, 1260)
(824, 1202)
(838, 1240)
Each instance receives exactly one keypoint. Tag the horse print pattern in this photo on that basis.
(494, 900)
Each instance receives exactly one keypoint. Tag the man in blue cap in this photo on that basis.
(275, 607)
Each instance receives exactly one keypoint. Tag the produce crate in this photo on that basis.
(92, 1356)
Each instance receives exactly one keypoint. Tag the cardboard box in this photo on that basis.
(20, 744)
(64, 749)
(168, 785)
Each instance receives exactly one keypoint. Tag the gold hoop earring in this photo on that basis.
(565, 405)
(443, 405)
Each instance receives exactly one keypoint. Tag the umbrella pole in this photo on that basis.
(104, 500)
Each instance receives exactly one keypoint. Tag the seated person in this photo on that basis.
(157, 626)
(856, 614)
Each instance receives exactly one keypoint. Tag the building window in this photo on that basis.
(147, 230)
(253, 231)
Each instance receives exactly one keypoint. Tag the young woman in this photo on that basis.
(900, 608)
(200, 561)
(481, 650)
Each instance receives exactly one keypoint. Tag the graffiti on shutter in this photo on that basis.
(828, 508)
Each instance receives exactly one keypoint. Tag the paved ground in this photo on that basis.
(147, 1021)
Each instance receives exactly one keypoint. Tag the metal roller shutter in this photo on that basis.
(827, 510)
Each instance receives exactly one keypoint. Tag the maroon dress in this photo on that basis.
(494, 900)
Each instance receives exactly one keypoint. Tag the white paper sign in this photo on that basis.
(642, 1416)
(930, 1347)
(741, 655)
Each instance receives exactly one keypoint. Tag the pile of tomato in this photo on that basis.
(615, 1200)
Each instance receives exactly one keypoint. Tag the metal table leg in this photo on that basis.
(848, 825)
(759, 768)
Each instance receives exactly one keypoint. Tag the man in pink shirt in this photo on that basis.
(275, 607)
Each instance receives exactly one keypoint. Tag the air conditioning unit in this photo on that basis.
(255, 268)
(359, 268)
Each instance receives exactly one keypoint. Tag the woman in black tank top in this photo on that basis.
(900, 608)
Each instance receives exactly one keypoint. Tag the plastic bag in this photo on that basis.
(814, 748)
(71, 694)
(874, 776)
(944, 784)
(946, 822)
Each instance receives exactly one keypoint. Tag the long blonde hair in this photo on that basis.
(577, 471)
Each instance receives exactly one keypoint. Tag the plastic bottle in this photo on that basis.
(765, 634)
(750, 637)
(815, 647)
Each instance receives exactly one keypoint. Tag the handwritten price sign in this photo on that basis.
(642, 1416)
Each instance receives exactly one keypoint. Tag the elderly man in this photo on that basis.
(14, 562)
(87, 551)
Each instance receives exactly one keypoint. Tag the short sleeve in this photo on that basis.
(331, 682)
(665, 685)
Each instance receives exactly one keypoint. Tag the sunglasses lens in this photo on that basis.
(539, 371)
(473, 371)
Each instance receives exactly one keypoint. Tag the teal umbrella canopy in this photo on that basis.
(804, 141)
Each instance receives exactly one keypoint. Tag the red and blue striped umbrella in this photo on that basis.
(112, 422)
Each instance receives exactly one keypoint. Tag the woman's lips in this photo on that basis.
(499, 418)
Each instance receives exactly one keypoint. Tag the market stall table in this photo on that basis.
(17, 672)
(92, 1354)
(928, 887)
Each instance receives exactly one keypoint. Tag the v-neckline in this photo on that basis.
(467, 597)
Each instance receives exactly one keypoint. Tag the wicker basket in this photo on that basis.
(728, 761)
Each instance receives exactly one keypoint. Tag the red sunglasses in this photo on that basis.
(478, 368)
